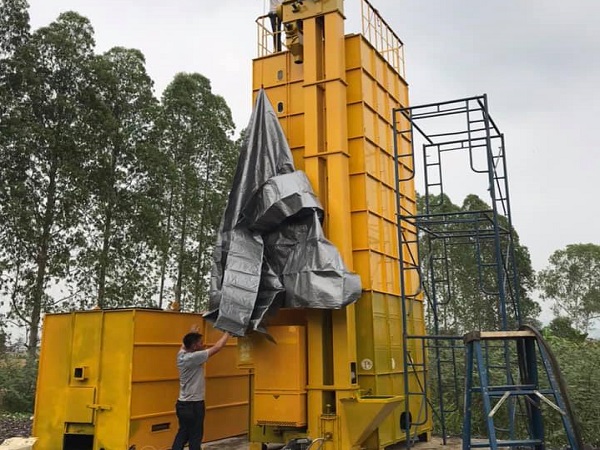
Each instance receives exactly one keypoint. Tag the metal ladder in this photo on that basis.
(529, 343)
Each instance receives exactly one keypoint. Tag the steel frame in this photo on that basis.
(436, 232)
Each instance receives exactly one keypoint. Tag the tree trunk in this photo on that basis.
(103, 261)
(42, 263)
(181, 256)
(201, 239)
(163, 267)
(111, 201)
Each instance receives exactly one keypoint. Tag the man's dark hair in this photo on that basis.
(190, 339)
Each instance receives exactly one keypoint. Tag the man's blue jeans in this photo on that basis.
(191, 425)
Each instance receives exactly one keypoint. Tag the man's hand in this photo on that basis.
(195, 328)
(219, 345)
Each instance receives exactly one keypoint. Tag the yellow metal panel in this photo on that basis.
(307, 10)
(79, 405)
(362, 266)
(375, 232)
(354, 91)
(280, 377)
(357, 157)
(389, 238)
(372, 159)
(373, 193)
(356, 121)
(388, 207)
(129, 361)
(360, 236)
(280, 366)
(353, 53)
(368, 86)
(369, 124)
(358, 188)
(52, 381)
(280, 408)
(362, 416)
(378, 269)
(86, 346)
(226, 419)
(153, 432)
(266, 71)
(114, 384)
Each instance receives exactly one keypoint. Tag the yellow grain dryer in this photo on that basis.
(337, 376)
(108, 380)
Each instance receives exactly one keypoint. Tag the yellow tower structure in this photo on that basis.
(338, 376)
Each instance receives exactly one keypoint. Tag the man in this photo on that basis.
(275, 18)
(190, 404)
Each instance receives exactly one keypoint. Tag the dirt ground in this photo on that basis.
(21, 426)
(240, 443)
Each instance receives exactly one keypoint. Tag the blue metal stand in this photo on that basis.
(527, 347)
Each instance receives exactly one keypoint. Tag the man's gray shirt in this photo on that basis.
(191, 375)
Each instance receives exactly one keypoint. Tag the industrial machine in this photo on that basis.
(107, 380)
(338, 378)
(354, 378)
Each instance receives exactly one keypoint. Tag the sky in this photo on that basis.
(537, 60)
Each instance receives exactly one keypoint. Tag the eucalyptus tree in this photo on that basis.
(44, 163)
(14, 26)
(572, 282)
(196, 141)
(14, 33)
(116, 265)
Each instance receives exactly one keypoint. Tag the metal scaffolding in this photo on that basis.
(428, 237)
(503, 356)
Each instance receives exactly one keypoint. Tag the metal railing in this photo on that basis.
(382, 37)
(374, 28)
(265, 37)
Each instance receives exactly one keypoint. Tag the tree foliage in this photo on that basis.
(17, 381)
(572, 282)
(44, 162)
(468, 295)
(115, 265)
(196, 128)
(100, 184)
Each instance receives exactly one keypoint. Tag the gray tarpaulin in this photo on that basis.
(271, 251)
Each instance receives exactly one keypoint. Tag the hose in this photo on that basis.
(561, 383)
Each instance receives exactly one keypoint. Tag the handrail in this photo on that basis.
(376, 30)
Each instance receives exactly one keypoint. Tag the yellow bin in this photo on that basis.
(107, 380)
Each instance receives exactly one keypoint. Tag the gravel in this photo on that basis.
(14, 425)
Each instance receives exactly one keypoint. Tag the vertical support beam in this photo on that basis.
(327, 167)
(482, 370)
(313, 105)
(313, 146)
(466, 437)
(533, 408)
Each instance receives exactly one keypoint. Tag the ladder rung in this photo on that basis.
(508, 443)
(485, 335)
(519, 392)
(512, 387)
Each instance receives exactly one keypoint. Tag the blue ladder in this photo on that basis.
(528, 340)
